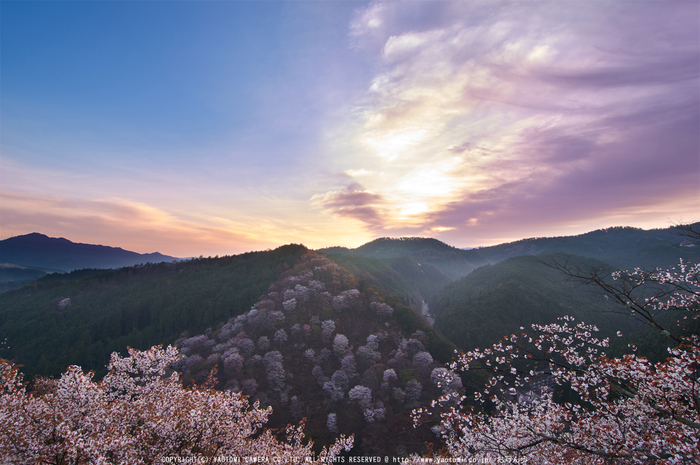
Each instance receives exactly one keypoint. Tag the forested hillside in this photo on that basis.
(14, 276)
(494, 300)
(452, 262)
(323, 345)
(81, 317)
(335, 336)
(415, 281)
(621, 247)
(290, 328)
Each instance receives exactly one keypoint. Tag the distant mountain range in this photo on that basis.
(34, 253)
(268, 320)
(623, 247)
(412, 266)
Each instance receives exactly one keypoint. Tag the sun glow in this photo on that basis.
(393, 144)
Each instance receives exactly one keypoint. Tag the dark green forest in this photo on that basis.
(267, 321)
(82, 317)
(496, 300)
(620, 247)
(415, 281)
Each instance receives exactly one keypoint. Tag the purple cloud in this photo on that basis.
(581, 113)
(353, 203)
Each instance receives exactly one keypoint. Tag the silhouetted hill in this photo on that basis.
(40, 251)
(286, 350)
(15, 276)
(386, 247)
(9, 272)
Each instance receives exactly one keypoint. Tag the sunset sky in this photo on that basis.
(211, 128)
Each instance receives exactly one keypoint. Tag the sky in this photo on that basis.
(218, 127)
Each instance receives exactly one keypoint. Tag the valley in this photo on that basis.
(339, 337)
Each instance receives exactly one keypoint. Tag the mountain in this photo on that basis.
(621, 247)
(323, 345)
(336, 336)
(58, 254)
(13, 276)
(289, 327)
(415, 282)
(81, 317)
(495, 290)
(496, 300)
(9, 272)
(451, 261)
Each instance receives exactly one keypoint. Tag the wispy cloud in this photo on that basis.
(120, 222)
(528, 112)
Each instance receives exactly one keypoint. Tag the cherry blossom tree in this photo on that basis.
(138, 415)
(349, 365)
(289, 305)
(345, 300)
(413, 391)
(422, 360)
(276, 376)
(263, 343)
(233, 363)
(387, 376)
(362, 395)
(623, 410)
(375, 414)
(279, 338)
(319, 376)
(332, 423)
(381, 309)
(367, 357)
(334, 391)
(327, 329)
(340, 345)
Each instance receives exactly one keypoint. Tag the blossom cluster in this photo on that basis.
(553, 396)
(680, 287)
(137, 415)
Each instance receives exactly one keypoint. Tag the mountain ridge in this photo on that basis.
(619, 246)
(39, 251)
(268, 320)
